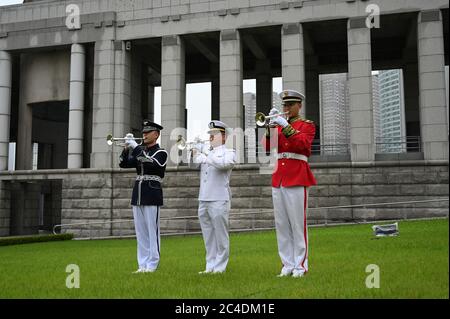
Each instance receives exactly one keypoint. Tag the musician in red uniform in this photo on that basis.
(290, 182)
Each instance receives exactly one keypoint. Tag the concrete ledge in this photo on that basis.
(399, 156)
(60, 173)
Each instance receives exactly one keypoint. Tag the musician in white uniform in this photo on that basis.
(215, 196)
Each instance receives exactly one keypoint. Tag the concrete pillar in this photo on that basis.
(173, 94)
(76, 107)
(263, 86)
(24, 147)
(293, 60)
(5, 106)
(103, 103)
(111, 109)
(433, 117)
(122, 93)
(231, 104)
(360, 91)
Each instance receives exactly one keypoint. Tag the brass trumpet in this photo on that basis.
(261, 118)
(182, 144)
(110, 140)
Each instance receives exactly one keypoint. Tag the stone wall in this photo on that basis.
(337, 186)
(5, 207)
(104, 195)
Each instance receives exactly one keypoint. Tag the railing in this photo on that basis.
(253, 220)
(398, 144)
(340, 147)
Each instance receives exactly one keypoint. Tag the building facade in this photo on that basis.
(72, 73)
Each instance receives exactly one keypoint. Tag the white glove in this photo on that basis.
(274, 111)
(281, 121)
(198, 147)
(129, 141)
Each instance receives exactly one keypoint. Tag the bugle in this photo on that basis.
(120, 141)
(262, 119)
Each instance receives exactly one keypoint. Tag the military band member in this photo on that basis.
(215, 196)
(290, 181)
(150, 162)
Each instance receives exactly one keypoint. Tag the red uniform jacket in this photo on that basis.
(295, 138)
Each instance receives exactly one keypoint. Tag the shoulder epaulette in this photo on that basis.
(307, 121)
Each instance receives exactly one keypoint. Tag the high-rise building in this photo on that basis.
(391, 132)
(249, 109)
(376, 104)
(388, 111)
(334, 113)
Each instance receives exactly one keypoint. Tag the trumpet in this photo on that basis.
(182, 144)
(110, 140)
(261, 119)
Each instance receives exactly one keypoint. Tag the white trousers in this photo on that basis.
(146, 224)
(290, 205)
(213, 218)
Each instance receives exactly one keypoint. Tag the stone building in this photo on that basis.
(72, 72)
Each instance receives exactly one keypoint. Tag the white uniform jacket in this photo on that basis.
(215, 173)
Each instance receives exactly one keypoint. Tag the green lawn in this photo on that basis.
(412, 265)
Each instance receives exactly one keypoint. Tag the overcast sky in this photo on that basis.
(8, 2)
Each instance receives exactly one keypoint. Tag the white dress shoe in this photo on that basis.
(218, 271)
(149, 270)
(297, 274)
(206, 271)
(285, 273)
(139, 271)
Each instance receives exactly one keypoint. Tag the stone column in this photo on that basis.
(76, 107)
(5, 106)
(263, 86)
(293, 60)
(173, 95)
(231, 100)
(103, 103)
(360, 91)
(231, 109)
(433, 117)
(24, 146)
(122, 93)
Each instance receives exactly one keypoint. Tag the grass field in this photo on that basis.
(412, 265)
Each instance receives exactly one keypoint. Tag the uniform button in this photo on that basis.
(285, 144)
(283, 164)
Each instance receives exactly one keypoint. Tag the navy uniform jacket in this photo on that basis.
(147, 161)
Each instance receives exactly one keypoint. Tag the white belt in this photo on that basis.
(149, 178)
(292, 156)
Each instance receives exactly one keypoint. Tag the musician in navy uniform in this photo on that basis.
(150, 162)
(215, 196)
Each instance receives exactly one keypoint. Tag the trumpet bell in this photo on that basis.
(260, 119)
(110, 139)
(181, 143)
